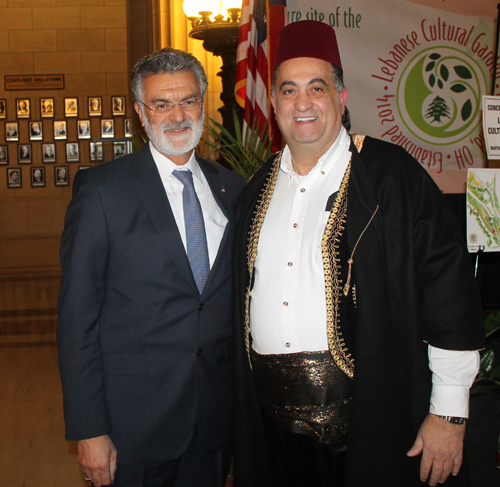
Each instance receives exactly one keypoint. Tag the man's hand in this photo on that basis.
(97, 459)
(441, 445)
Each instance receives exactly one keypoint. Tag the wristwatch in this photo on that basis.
(452, 419)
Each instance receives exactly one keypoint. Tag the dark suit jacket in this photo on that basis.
(141, 353)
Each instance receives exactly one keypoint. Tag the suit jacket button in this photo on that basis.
(199, 352)
(201, 306)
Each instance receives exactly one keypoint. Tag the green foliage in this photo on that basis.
(139, 141)
(245, 152)
(488, 377)
(491, 324)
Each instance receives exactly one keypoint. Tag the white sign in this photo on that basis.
(483, 210)
(416, 76)
(491, 125)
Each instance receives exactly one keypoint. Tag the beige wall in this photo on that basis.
(86, 40)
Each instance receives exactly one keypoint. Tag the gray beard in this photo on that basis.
(161, 141)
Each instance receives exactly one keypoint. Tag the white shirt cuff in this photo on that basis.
(453, 373)
(450, 401)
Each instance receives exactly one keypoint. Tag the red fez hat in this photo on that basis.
(308, 38)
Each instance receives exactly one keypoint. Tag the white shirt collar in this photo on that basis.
(166, 166)
(325, 162)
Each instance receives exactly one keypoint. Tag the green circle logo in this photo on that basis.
(439, 95)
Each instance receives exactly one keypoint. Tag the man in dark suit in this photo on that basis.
(144, 312)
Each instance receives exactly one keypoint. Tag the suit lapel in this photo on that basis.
(150, 190)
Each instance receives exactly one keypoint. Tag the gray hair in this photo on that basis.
(338, 81)
(166, 61)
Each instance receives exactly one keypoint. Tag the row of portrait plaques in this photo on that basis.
(50, 133)
(61, 173)
(24, 107)
(60, 130)
(38, 176)
(25, 152)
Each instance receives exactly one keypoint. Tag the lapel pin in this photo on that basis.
(223, 190)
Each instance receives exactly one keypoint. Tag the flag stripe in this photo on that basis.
(260, 25)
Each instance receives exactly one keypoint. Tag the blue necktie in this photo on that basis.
(196, 237)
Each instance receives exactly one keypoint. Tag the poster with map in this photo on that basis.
(483, 210)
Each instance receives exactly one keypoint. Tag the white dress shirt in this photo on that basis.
(214, 218)
(288, 306)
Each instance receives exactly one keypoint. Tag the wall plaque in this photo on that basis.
(35, 82)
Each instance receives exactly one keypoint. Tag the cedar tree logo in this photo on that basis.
(439, 95)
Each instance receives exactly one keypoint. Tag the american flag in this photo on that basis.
(260, 26)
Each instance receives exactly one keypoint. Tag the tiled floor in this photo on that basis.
(33, 451)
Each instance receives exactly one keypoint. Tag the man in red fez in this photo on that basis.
(357, 317)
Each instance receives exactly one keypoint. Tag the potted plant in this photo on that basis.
(245, 151)
(488, 376)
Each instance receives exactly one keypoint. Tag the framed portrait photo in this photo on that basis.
(99, 151)
(71, 107)
(118, 105)
(107, 128)
(60, 130)
(48, 153)
(95, 106)
(23, 108)
(92, 156)
(37, 177)
(127, 132)
(14, 178)
(11, 131)
(84, 129)
(96, 151)
(4, 155)
(47, 107)
(61, 175)
(119, 149)
(72, 152)
(3, 108)
(24, 153)
(36, 131)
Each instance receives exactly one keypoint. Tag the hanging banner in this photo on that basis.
(416, 76)
(483, 205)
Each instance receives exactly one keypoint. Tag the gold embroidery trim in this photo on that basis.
(333, 283)
(332, 268)
(253, 238)
(358, 141)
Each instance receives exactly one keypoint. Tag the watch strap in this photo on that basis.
(452, 419)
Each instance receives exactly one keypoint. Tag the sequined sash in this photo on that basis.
(305, 393)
